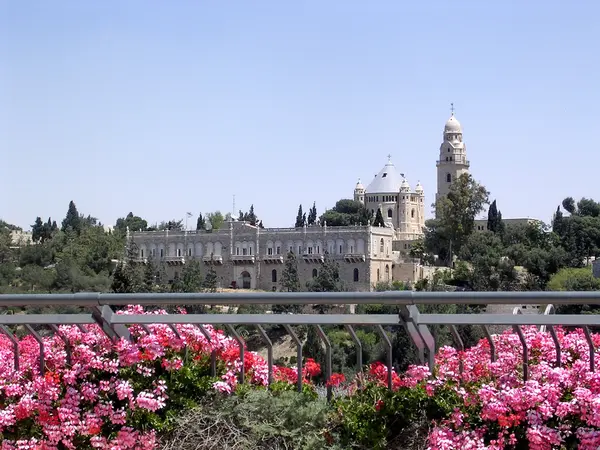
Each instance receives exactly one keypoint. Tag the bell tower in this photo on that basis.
(452, 162)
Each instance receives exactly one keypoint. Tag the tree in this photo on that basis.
(495, 223)
(211, 280)
(300, 218)
(216, 220)
(200, 223)
(455, 217)
(134, 223)
(73, 220)
(327, 280)
(37, 230)
(312, 215)
(379, 222)
(345, 213)
(171, 225)
(290, 282)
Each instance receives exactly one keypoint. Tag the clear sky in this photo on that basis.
(166, 107)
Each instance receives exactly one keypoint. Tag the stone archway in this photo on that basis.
(246, 280)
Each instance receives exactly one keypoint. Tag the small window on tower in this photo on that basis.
(448, 178)
(384, 175)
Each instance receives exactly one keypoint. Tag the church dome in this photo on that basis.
(387, 180)
(452, 125)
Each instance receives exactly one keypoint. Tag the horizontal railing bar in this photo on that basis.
(46, 319)
(257, 319)
(304, 298)
(571, 320)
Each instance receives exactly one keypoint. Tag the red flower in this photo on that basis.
(336, 379)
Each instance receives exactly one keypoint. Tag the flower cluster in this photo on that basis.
(557, 407)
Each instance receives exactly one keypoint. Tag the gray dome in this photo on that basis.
(387, 180)
(452, 125)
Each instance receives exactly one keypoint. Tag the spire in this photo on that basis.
(452, 108)
(389, 158)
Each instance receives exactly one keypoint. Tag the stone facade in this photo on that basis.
(249, 257)
(481, 224)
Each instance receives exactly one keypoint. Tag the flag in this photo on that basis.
(189, 214)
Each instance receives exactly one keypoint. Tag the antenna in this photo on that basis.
(233, 210)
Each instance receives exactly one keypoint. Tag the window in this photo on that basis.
(387, 272)
(310, 250)
(448, 178)
(250, 250)
(341, 249)
(381, 246)
(351, 249)
(315, 273)
(153, 252)
(378, 276)
(189, 252)
(412, 213)
(384, 175)
(178, 252)
(291, 249)
(299, 250)
(237, 251)
(244, 251)
(142, 253)
(390, 213)
(162, 252)
(274, 276)
(270, 251)
(355, 275)
(278, 250)
(318, 250)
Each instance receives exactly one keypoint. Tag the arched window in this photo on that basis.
(314, 273)
(355, 275)
(387, 272)
(378, 275)
(412, 213)
(274, 276)
(448, 178)
(381, 246)
(390, 213)
(142, 253)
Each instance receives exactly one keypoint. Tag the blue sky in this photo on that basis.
(165, 107)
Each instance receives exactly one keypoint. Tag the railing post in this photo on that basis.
(358, 344)
(103, 315)
(519, 332)
(556, 345)
(588, 338)
(213, 353)
(389, 356)
(298, 355)
(65, 340)
(240, 343)
(15, 344)
(266, 338)
(461, 348)
(419, 333)
(40, 341)
(328, 369)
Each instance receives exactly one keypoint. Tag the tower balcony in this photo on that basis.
(174, 260)
(459, 161)
(313, 258)
(273, 259)
(243, 259)
(354, 257)
(213, 259)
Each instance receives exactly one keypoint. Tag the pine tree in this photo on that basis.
(150, 278)
(290, 283)
(72, 222)
(312, 214)
(200, 223)
(251, 218)
(37, 230)
(494, 223)
(378, 222)
(300, 218)
(211, 280)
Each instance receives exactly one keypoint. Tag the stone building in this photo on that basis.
(248, 257)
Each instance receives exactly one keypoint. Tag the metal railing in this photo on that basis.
(416, 323)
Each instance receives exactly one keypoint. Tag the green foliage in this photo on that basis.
(345, 213)
(327, 280)
(200, 223)
(253, 419)
(73, 221)
(495, 223)
(290, 282)
(300, 218)
(378, 222)
(131, 222)
(249, 217)
(312, 215)
(215, 220)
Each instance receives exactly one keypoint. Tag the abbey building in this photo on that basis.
(245, 256)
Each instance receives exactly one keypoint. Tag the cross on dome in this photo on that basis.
(452, 108)
(389, 158)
